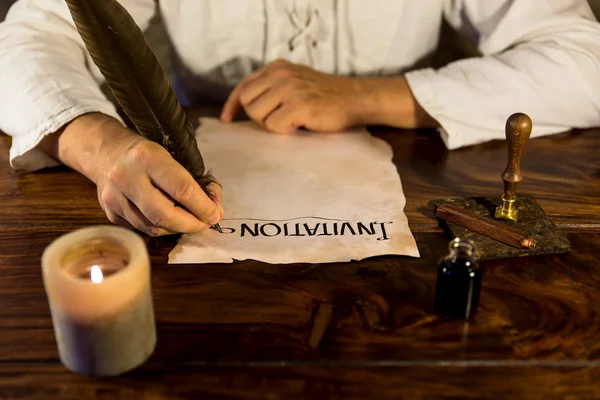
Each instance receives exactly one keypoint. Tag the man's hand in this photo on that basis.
(283, 96)
(139, 188)
(138, 181)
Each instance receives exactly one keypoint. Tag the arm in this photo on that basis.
(539, 57)
(138, 181)
(55, 111)
(45, 82)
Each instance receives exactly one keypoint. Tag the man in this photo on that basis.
(324, 65)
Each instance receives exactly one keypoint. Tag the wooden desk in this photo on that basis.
(242, 330)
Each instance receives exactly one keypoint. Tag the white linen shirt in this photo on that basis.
(540, 57)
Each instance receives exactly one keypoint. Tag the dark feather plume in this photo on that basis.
(132, 71)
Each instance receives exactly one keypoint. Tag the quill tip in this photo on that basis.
(218, 228)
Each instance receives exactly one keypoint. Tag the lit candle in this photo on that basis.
(98, 285)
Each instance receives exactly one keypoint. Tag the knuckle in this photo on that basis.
(268, 122)
(117, 175)
(163, 220)
(185, 191)
(142, 152)
(153, 231)
(113, 217)
(245, 98)
(271, 125)
(105, 196)
(280, 62)
(108, 199)
(283, 72)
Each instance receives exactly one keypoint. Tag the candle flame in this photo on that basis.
(96, 274)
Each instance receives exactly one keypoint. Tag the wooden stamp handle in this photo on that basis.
(518, 130)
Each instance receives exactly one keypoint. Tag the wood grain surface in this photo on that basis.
(546, 307)
(354, 330)
(245, 329)
(562, 172)
(537, 382)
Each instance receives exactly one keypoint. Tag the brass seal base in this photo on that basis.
(507, 210)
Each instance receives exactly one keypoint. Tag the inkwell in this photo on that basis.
(458, 281)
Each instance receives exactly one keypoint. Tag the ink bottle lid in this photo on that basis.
(458, 281)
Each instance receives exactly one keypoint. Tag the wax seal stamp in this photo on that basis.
(508, 225)
(518, 130)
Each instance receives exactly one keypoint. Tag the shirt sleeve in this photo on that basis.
(47, 76)
(540, 57)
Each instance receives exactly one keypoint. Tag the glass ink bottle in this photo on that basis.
(458, 281)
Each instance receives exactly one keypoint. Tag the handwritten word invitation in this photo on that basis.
(306, 197)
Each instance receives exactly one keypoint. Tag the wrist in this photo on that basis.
(88, 143)
(389, 101)
(366, 104)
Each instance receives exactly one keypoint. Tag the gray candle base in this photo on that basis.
(107, 348)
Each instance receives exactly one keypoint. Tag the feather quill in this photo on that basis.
(140, 86)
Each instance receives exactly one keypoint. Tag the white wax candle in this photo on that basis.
(97, 281)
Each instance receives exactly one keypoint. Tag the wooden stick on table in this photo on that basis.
(485, 226)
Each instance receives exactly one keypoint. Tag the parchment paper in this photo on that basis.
(306, 197)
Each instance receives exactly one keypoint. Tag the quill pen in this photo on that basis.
(133, 74)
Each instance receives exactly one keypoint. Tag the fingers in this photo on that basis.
(233, 104)
(127, 215)
(255, 88)
(286, 119)
(177, 182)
(263, 106)
(254, 85)
(217, 191)
(118, 220)
(142, 187)
(283, 96)
(161, 211)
